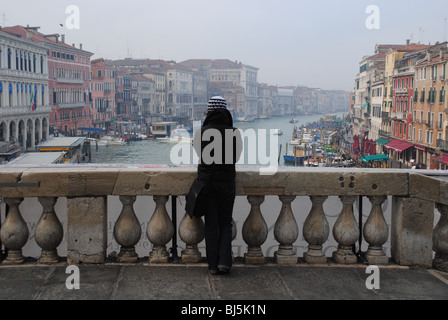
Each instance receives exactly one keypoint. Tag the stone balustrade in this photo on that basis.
(415, 239)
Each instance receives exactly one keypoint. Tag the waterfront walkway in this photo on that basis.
(188, 283)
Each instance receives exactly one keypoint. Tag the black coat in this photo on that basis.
(213, 155)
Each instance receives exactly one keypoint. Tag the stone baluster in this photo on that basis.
(160, 231)
(286, 233)
(49, 232)
(255, 231)
(234, 231)
(14, 232)
(376, 232)
(316, 231)
(192, 232)
(440, 240)
(127, 231)
(234, 234)
(346, 232)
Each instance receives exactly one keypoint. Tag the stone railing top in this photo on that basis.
(148, 180)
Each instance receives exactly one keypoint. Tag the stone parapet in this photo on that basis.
(414, 194)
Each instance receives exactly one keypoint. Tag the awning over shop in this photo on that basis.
(378, 157)
(442, 159)
(422, 148)
(92, 129)
(382, 141)
(398, 145)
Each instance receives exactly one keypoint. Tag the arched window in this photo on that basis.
(9, 58)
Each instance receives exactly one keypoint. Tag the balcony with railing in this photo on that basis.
(67, 80)
(442, 144)
(298, 208)
(23, 110)
(71, 105)
(398, 115)
(401, 90)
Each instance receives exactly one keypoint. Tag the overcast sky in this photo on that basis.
(292, 42)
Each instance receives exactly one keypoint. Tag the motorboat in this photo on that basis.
(111, 141)
(177, 136)
(278, 132)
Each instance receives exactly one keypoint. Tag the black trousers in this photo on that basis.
(218, 224)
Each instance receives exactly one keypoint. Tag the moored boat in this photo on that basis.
(76, 149)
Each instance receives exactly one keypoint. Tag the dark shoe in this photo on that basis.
(214, 272)
(225, 271)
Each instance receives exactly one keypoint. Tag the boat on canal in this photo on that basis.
(74, 149)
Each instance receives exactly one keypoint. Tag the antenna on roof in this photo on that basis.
(128, 54)
(444, 30)
(420, 30)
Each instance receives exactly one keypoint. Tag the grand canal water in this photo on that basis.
(154, 152)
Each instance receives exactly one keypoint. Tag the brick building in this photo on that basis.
(102, 87)
(430, 106)
(24, 103)
(69, 72)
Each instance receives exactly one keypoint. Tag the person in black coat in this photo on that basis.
(219, 147)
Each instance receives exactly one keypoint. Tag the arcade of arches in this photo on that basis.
(25, 132)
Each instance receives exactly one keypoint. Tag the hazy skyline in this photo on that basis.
(311, 43)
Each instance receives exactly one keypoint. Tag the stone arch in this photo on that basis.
(13, 131)
(37, 131)
(22, 133)
(29, 134)
(44, 129)
(3, 131)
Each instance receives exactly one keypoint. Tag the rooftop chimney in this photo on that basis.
(408, 42)
(63, 38)
(80, 46)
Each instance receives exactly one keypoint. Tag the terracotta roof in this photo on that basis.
(139, 63)
(413, 47)
(210, 63)
(32, 33)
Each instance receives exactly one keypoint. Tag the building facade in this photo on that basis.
(159, 79)
(123, 95)
(24, 91)
(429, 116)
(231, 73)
(102, 88)
(143, 92)
(69, 82)
(179, 92)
